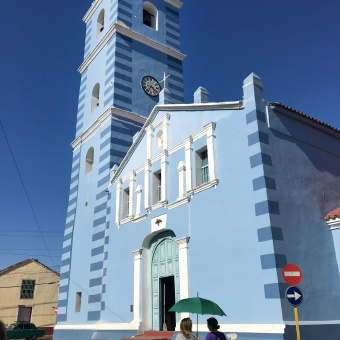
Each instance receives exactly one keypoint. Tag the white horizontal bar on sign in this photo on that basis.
(291, 273)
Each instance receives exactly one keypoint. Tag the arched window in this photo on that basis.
(95, 97)
(159, 139)
(89, 160)
(100, 22)
(150, 15)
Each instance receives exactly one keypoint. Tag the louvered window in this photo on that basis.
(27, 289)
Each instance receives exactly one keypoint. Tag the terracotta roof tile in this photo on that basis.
(26, 261)
(304, 115)
(333, 214)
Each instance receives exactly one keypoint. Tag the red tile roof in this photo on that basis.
(26, 262)
(304, 115)
(333, 214)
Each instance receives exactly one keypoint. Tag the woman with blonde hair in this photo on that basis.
(186, 330)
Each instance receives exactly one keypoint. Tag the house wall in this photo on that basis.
(44, 299)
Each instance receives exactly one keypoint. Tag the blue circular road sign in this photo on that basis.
(294, 296)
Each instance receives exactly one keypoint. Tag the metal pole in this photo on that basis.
(297, 323)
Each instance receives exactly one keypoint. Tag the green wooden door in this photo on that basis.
(164, 263)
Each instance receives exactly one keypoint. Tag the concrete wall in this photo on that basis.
(44, 299)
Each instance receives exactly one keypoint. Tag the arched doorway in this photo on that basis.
(164, 282)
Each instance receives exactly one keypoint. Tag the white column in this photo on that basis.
(118, 200)
(164, 178)
(138, 200)
(166, 119)
(149, 141)
(132, 188)
(181, 180)
(188, 162)
(137, 285)
(211, 147)
(147, 184)
(183, 270)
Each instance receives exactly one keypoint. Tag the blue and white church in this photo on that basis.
(168, 198)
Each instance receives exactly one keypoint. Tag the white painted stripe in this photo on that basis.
(310, 323)
(291, 273)
(241, 328)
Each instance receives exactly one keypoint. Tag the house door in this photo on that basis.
(24, 313)
(165, 290)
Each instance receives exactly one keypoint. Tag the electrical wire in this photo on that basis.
(22, 182)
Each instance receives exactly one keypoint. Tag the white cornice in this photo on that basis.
(174, 3)
(116, 28)
(334, 223)
(235, 105)
(91, 10)
(109, 111)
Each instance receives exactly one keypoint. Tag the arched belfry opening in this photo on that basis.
(95, 97)
(89, 160)
(150, 15)
(100, 22)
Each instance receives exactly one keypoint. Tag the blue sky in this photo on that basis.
(292, 45)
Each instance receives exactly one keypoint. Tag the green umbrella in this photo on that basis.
(197, 305)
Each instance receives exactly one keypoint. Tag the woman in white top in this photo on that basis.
(186, 330)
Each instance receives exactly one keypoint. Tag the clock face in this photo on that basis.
(150, 86)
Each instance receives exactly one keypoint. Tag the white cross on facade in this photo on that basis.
(164, 78)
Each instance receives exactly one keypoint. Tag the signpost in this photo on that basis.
(292, 275)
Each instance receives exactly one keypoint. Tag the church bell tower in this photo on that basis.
(129, 46)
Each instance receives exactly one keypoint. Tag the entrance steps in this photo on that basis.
(152, 335)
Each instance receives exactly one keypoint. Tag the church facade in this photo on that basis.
(169, 199)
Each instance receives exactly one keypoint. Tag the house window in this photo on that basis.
(159, 139)
(150, 15)
(157, 187)
(205, 167)
(100, 22)
(126, 202)
(78, 302)
(89, 160)
(202, 166)
(27, 289)
(95, 97)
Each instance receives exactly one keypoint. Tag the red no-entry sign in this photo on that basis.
(292, 274)
(56, 310)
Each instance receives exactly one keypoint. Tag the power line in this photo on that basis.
(23, 185)
(32, 255)
(31, 236)
(36, 284)
(30, 231)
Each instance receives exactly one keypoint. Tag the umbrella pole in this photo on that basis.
(197, 325)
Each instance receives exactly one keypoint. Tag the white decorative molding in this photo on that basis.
(147, 185)
(149, 141)
(174, 3)
(138, 200)
(164, 178)
(158, 157)
(189, 161)
(95, 4)
(132, 189)
(178, 203)
(139, 218)
(211, 147)
(158, 205)
(165, 120)
(183, 267)
(137, 285)
(117, 28)
(334, 223)
(235, 105)
(158, 223)
(203, 187)
(102, 119)
(118, 200)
